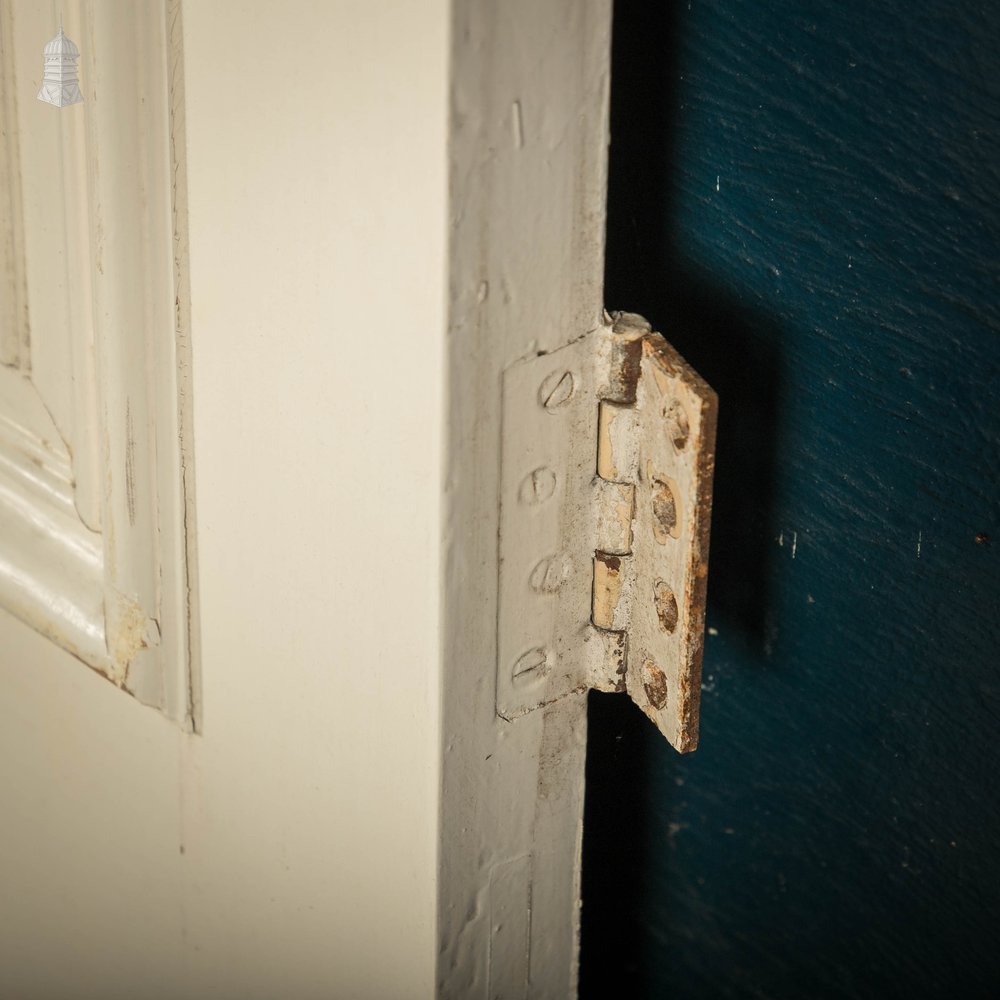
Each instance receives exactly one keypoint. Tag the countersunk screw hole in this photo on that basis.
(666, 606)
(654, 684)
(676, 421)
(664, 510)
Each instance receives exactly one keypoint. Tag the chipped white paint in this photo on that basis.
(794, 544)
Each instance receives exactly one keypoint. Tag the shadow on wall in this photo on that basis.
(733, 345)
(737, 349)
(803, 200)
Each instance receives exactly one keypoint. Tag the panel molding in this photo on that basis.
(51, 564)
(121, 599)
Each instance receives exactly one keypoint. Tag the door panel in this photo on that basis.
(288, 847)
(95, 449)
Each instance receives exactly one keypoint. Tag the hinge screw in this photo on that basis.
(666, 606)
(556, 389)
(664, 510)
(654, 684)
(676, 420)
(537, 486)
(530, 665)
(549, 574)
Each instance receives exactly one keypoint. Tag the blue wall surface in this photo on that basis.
(805, 199)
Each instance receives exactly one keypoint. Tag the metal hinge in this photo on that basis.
(606, 489)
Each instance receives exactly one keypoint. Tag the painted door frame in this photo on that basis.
(529, 136)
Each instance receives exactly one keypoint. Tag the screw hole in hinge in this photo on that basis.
(666, 606)
(677, 427)
(655, 685)
(556, 389)
(537, 486)
(665, 520)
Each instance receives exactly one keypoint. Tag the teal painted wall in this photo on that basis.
(805, 199)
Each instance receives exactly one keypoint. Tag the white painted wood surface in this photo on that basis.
(290, 848)
(528, 160)
(94, 361)
(388, 204)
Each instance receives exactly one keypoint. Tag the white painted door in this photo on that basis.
(295, 246)
(295, 157)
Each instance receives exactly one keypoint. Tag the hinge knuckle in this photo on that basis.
(614, 506)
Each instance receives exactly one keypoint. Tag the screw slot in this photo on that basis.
(557, 388)
(537, 486)
(550, 574)
(530, 666)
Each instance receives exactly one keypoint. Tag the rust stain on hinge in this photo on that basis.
(628, 329)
